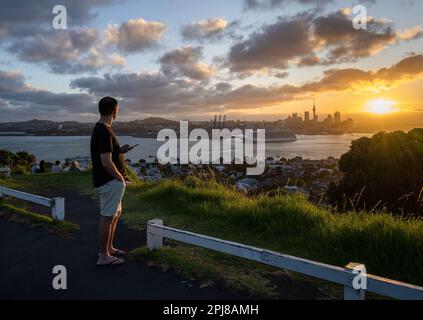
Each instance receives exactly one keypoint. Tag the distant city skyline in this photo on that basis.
(248, 60)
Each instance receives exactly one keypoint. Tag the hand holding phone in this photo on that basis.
(133, 147)
(126, 148)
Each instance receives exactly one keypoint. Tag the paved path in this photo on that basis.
(28, 256)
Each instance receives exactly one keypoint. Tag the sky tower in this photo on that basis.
(314, 110)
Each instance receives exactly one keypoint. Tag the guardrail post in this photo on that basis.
(349, 292)
(154, 240)
(58, 209)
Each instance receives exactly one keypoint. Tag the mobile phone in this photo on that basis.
(133, 147)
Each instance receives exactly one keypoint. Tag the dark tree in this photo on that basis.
(384, 171)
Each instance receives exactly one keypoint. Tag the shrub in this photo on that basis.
(385, 171)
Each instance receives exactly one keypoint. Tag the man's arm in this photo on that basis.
(109, 166)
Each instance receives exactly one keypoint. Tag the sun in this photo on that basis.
(381, 106)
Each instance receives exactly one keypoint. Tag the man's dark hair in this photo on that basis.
(57, 163)
(107, 105)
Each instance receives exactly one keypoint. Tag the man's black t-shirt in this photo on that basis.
(103, 140)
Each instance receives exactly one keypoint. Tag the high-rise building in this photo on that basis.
(220, 121)
(337, 117)
(314, 111)
(224, 121)
(215, 122)
(307, 116)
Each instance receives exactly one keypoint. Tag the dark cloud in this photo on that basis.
(26, 31)
(346, 44)
(308, 40)
(161, 95)
(147, 93)
(20, 18)
(80, 50)
(11, 81)
(185, 62)
(272, 47)
(273, 4)
(18, 99)
(70, 52)
(344, 79)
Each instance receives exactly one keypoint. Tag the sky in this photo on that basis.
(190, 59)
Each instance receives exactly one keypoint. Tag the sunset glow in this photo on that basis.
(381, 106)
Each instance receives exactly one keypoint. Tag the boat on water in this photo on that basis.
(278, 136)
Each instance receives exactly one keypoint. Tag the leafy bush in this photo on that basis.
(21, 169)
(19, 163)
(385, 171)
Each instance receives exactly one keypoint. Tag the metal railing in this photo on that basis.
(156, 231)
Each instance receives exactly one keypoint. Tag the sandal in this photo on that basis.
(118, 253)
(114, 263)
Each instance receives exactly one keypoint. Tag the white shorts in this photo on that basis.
(111, 195)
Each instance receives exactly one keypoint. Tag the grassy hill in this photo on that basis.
(389, 247)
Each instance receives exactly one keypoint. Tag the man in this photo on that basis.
(56, 168)
(109, 180)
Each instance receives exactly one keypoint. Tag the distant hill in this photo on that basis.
(153, 121)
(25, 126)
(142, 127)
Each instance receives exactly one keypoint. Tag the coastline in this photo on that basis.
(154, 136)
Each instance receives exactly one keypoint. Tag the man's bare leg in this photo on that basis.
(111, 249)
(104, 236)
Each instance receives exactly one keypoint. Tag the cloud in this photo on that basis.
(308, 40)
(208, 30)
(274, 4)
(411, 34)
(145, 93)
(346, 79)
(21, 18)
(345, 44)
(185, 62)
(136, 35)
(71, 52)
(156, 93)
(11, 81)
(26, 31)
(18, 99)
(272, 47)
(161, 95)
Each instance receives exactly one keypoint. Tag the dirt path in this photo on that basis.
(29, 255)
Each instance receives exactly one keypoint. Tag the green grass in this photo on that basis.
(208, 268)
(389, 247)
(33, 220)
(17, 211)
(81, 182)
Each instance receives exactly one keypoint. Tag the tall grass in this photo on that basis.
(389, 246)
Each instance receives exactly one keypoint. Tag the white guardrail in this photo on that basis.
(156, 231)
(57, 205)
(5, 171)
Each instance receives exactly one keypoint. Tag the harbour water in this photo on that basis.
(59, 148)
